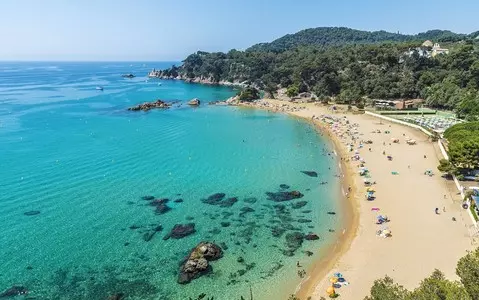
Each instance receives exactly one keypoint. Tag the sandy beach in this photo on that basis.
(421, 239)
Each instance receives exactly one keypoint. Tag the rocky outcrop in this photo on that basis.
(150, 105)
(197, 262)
(128, 75)
(180, 231)
(194, 102)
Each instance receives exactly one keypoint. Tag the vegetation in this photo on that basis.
(436, 286)
(463, 148)
(248, 94)
(340, 36)
(347, 65)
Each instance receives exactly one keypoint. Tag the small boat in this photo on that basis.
(128, 75)
(99, 88)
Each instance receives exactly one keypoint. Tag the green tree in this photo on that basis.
(293, 90)
(468, 270)
(387, 289)
(437, 287)
(445, 166)
(248, 94)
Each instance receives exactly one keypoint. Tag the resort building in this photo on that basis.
(436, 49)
(428, 44)
(411, 104)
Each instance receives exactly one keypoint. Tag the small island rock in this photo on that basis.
(197, 262)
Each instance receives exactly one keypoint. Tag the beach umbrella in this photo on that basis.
(333, 279)
(330, 291)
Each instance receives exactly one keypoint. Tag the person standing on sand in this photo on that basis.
(437, 211)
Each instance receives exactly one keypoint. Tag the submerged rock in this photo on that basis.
(219, 200)
(162, 208)
(15, 290)
(299, 204)
(228, 202)
(178, 200)
(159, 201)
(148, 197)
(197, 262)
(308, 253)
(32, 213)
(180, 231)
(118, 296)
(284, 186)
(304, 221)
(251, 200)
(284, 196)
(215, 198)
(294, 240)
(311, 237)
(245, 210)
(310, 173)
(150, 234)
(225, 224)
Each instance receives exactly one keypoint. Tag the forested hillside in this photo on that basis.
(340, 36)
(352, 73)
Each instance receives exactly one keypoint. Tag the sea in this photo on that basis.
(76, 165)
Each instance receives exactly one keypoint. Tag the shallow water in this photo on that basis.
(79, 158)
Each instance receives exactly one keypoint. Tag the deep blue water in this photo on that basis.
(76, 155)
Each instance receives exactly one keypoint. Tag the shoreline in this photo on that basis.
(349, 209)
(331, 254)
(408, 200)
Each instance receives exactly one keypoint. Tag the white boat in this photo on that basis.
(99, 88)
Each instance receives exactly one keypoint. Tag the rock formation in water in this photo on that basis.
(294, 240)
(298, 204)
(219, 200)
(197, 262)
(311, 237)
(194, 102)
(180, 231)
(284, 196)
(150, 105)
(310, 173)
(148, 236)
(32, 213)
(15, 290)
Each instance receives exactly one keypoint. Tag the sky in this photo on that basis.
(155, 30)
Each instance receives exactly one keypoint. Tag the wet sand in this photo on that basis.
(421, 240)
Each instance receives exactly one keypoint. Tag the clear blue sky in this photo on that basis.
(169, 30)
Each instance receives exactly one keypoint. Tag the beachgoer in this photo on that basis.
(444, 196)
(444, 209)
(297, 264)
(437, 211)
(409, 167)
(425, 156)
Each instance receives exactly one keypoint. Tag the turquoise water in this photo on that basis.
(78, 157)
